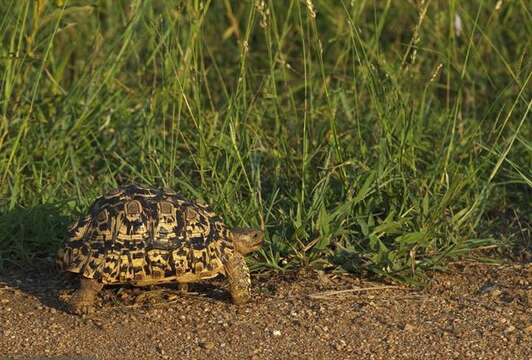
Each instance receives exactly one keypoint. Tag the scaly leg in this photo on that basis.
(239, 280)
(82, 301)
(182, 288)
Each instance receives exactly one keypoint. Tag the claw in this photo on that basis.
(82, 302)
(81, 306)
(81, 310)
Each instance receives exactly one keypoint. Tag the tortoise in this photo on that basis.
(145, 236)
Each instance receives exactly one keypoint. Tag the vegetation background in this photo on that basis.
(381, 136)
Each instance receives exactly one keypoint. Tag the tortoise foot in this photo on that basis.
(182, 288)
(81, 304)
(240, 298)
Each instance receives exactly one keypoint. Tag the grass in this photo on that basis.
(382, 137)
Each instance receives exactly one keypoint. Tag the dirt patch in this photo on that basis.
(474, 312)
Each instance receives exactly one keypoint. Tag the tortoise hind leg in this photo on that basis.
(239, 280)
(182, 288)
(82, 301)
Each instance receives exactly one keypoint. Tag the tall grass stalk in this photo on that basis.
(377, 136)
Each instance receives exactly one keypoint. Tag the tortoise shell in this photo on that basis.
(143, 236)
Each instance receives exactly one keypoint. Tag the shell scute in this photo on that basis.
(142, 235)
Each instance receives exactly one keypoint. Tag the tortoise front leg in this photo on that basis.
(82, 301)
(239, 280)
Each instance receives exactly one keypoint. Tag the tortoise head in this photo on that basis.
(246, 240)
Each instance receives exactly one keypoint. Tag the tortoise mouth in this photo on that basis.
(256, 245)
(256, 240)
(248, 240)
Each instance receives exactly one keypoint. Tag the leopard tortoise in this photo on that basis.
(145, 236)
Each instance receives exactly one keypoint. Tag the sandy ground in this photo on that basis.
(472, 312)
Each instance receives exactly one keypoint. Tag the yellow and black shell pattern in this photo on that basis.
(144, 236)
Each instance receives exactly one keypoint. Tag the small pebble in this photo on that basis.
(509, 329)
(409, 327)
(276, 333)
(171, 297)
(207, 345)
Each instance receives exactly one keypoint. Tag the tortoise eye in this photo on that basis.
(133, 207)
(102, 216)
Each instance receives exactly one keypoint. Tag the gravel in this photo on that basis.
(472, 312)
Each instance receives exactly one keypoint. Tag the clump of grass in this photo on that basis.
(369, 135)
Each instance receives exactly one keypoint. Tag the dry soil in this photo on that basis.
(471, 312)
